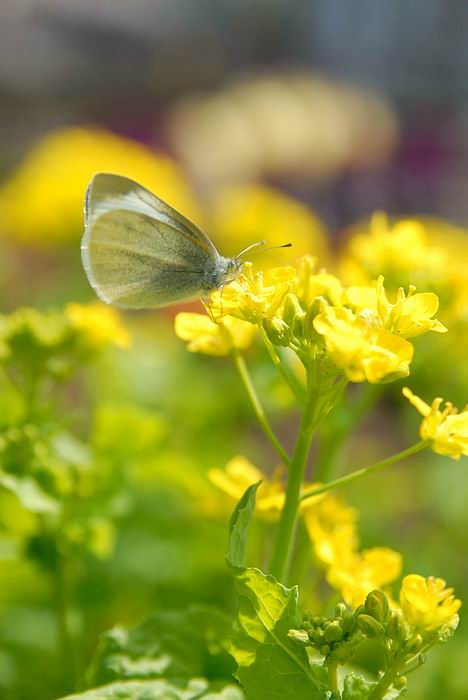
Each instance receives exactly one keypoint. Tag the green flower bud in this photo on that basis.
(377, 606)
(370, 627)
(278, 331)
(397, 628)
(294, 315)
(333, 632)
(400, 682)
(341, 610)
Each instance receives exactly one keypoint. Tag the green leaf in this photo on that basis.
(356, 687)
(169, 644)
(271, 666)
(29, 494)
(195, 689)
(238, 524)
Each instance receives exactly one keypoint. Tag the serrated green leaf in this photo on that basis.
(195, 689)
(169, 644)
(238, 524)
(271, 666)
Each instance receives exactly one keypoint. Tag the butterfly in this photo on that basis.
(139, 252)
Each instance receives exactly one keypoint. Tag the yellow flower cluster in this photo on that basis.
(361, 330)
(427, 605)
(53, 178)
(99, 324)
(332, 527)
(446, 430)
(401, 251)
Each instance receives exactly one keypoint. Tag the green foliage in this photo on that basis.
(196, 689)
(238, 524)
(270, 664)
(170, 644)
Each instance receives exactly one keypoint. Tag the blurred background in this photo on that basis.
(285, 120)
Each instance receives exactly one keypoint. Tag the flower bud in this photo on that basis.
(294, 315)
(278, 331)
(377, 606)
(370, 627)
(333, 632)
(397, 628)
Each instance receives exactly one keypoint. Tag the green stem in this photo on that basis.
(257, 406)
(286, 526)
(360, 473)
(332, 668)
(385, 682)
(288, 376)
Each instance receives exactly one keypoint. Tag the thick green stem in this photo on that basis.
(286, 526)
(332, 668)
(257, 406)
(291, 380)
(361, 473)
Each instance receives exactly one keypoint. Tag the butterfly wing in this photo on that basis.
(138, 252)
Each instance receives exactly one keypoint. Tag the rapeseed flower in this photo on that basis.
(361, 347)
(213, 338)
(100, 324)
(53, 177)
(239, 474)
(447, 430)
(331, 526)
(253, 296)
(359, 573)
(409, 316)
(427, 604)
(401, 251)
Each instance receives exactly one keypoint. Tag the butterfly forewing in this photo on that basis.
(139, 252)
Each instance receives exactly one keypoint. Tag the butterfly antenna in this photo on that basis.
(260, 244)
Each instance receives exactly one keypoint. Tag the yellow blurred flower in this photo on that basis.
(247, 213)
(358, 345)
(100, 324)
(359, 573)
(239, 474)
(254, 296)
(42, 201)
(210, 338)
(331, 525)
(447, 430)
(427, 604)
(409, 316)
(400, 251)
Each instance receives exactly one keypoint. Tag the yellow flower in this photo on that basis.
(409, 316)
(100, 324)
(309, 284)
(447, 430)
(53, 178)
(253, 296)
(358, 345)
(400, 251)
(359, 573)
(210, 338)
(247, 213)
(331, 525)
(427, 604)
(239, 474)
